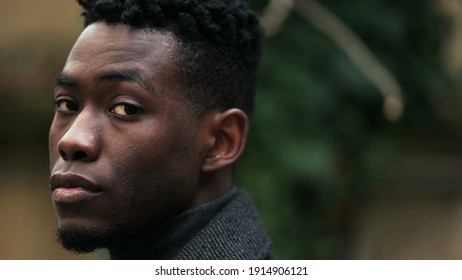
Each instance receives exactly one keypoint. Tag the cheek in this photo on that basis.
(53, 139)
(148, 192)
(156, 177)
(151, 163)
(155, 149)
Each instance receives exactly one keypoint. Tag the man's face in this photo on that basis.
(124, 149)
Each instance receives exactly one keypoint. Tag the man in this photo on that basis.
(152, 111)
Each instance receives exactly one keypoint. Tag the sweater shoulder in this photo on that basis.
(235, 232)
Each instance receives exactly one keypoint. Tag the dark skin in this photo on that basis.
(126, 151)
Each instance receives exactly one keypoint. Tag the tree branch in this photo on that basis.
(278, 10)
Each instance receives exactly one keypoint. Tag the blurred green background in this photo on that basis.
(355, 145)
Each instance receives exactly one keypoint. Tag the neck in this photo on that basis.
(165, 240)
(212, 186)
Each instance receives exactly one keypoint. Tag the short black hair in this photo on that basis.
(220, 44)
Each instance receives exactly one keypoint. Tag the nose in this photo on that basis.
(81, 142)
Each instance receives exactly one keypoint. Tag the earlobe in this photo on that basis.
(230, 134)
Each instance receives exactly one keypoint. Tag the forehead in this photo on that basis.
(103, 47)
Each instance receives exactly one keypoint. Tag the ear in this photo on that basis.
(228, 135)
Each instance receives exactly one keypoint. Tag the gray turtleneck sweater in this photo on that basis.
(226, 228)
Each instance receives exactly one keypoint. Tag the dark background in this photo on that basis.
(333, 175)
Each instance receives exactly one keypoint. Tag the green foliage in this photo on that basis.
(319, 141)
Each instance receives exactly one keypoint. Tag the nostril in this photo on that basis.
(62, 154)
(79, 155)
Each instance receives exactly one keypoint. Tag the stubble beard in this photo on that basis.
(81, 240)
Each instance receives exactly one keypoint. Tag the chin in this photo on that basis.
(81, 240)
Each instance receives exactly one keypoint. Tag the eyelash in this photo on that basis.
(74, 107)
(58, 102)
(125, 104)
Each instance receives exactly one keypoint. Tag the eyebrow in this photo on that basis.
(65, 80)
(126, 76)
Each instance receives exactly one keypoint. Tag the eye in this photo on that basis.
(66, 106)
(125, 109)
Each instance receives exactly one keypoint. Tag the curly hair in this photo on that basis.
(219, 44)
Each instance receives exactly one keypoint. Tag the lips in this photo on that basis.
(72, 188)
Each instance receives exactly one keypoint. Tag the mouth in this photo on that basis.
(72, 188)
